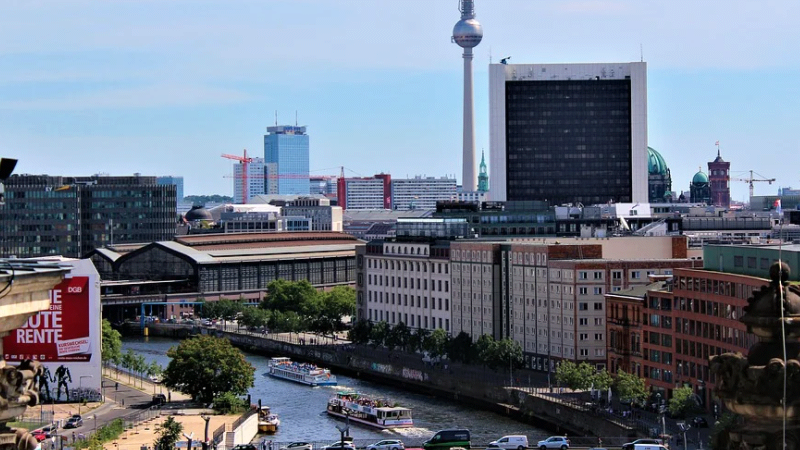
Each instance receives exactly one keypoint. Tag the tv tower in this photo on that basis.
(467, 34)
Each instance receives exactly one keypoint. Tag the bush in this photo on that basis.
(229, 403)
(106, 433)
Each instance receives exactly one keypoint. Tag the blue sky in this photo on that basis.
(164, 87)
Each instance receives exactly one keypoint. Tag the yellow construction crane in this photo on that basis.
(751, 180)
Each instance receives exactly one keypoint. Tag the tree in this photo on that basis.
(682, 403)
(129, 361)
(629, 387)
(300, 297)
(360, 332)
(229, 403)
(436, 343)
(380, 331)
(577, 377)
(111, 351)
(602, 380)
(334, 304)
(285, 322)
(140, 367)
(398, 336)
(227, 309)
(154, 369)
(509, 354)
(255, 317)
(416, 340)
(461, 348)
(169, 433)
(206, 366)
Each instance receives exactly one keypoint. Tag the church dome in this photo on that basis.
(197, 213)
(700, 178)
(655, 163)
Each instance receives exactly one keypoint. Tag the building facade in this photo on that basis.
(70, 216)
(699, 188)
(177, 181)
(422, 192)
(323, 216)
(719, 179)
(365, 193)
(568, 133)
(288, 148)
(323, 185)
(256, 180)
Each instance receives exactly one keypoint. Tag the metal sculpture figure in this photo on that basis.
(63, 377)
(43, 380)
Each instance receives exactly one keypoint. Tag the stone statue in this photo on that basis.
(753, 386)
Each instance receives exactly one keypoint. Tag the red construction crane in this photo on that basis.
(245, 160)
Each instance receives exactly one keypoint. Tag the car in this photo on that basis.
(45, 432)
(632, 445)
(159, 399)
(559, 442)
(699, 422)
(299, 446)
(244, 447)
(339, 445)
(514, 442)
(74, 422)
(387, 444)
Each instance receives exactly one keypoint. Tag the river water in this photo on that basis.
(302, 408)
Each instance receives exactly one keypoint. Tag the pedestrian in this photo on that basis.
(264, 444)
(116, 386)
(270, 445)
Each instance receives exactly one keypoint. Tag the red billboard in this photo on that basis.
(59, 334)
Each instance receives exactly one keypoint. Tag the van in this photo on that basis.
(447, 439)
(649, 447)
(515, 442)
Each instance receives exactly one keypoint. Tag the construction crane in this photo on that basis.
(245, 161)
(751, 180)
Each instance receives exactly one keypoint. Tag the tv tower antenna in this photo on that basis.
(467, 33)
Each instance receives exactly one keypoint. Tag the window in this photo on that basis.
(636, 274)
(584, 352)
(583, 291)
(598, 306)
(738, 261)
(598, 275)
(583, 306)
(598, 291)
(583, 321)
(583, 336)
(598, 336)
(617, 275)
(583, 275)
(751, 262)
(598, 320)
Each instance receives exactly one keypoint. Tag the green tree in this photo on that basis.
(398, 336)
(111, 351)
(154, 369)
(255, 317)
(629, 387)
(577, 377)
(485, 349)
(169, 433)
(300, 297)
(229, 403)
(509, 354)
(461, 348)
(380, 331)
(227, 309)
(206, 366)
(128, 362)
(140, 367)
(360, 332)
(416, 340)
(334, 304)
(602, 380)
(285, 322)
(209, 310)
(436, 343)
(682, 403)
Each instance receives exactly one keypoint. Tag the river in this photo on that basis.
(302, 408)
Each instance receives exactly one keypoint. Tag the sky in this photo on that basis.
(165, 87)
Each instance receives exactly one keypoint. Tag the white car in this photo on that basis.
(387, 444)
(559, 442)
(514, 442)
(339, 445)
(299, 446)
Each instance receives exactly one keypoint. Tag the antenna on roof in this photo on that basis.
(276, 117)
(641, 52)
(295, 117)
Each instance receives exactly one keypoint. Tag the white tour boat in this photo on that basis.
(303, 373)
(368, 411)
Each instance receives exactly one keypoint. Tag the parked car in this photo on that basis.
(244, 447)
(339, 445)
(515, 442)
(700, 422)
(559, 442)
(447, 439)
(74, 422)
(299, 446)
(159, 399)
(632, 445)
(45, 432)
(387, 444)
(155, 379)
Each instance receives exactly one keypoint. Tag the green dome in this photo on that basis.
(655, 163)
(700, 178)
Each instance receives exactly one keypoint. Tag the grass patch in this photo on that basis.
(106, 433)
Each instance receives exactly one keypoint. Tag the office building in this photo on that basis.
(365, 193)
(568, 133)
(288, 148)
(323, 185)
(255, 179)
(319, 211)
(177, 181)
(422, 192)
(70, 216)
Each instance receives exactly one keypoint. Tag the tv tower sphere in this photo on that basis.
(467, 33)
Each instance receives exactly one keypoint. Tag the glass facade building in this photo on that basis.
(568, 133)
(288, 148)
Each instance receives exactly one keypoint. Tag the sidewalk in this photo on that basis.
(140, 384)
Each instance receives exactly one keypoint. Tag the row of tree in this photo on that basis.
(289, 306)
(437, 344)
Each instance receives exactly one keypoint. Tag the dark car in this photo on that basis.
(632, 445)
(245, 447)
(74, 422)
(699, 422)
(159, 399)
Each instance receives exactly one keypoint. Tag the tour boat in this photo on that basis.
(267, 422)
(369, 411)
(303, 373)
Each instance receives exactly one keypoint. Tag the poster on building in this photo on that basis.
(65, 338)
